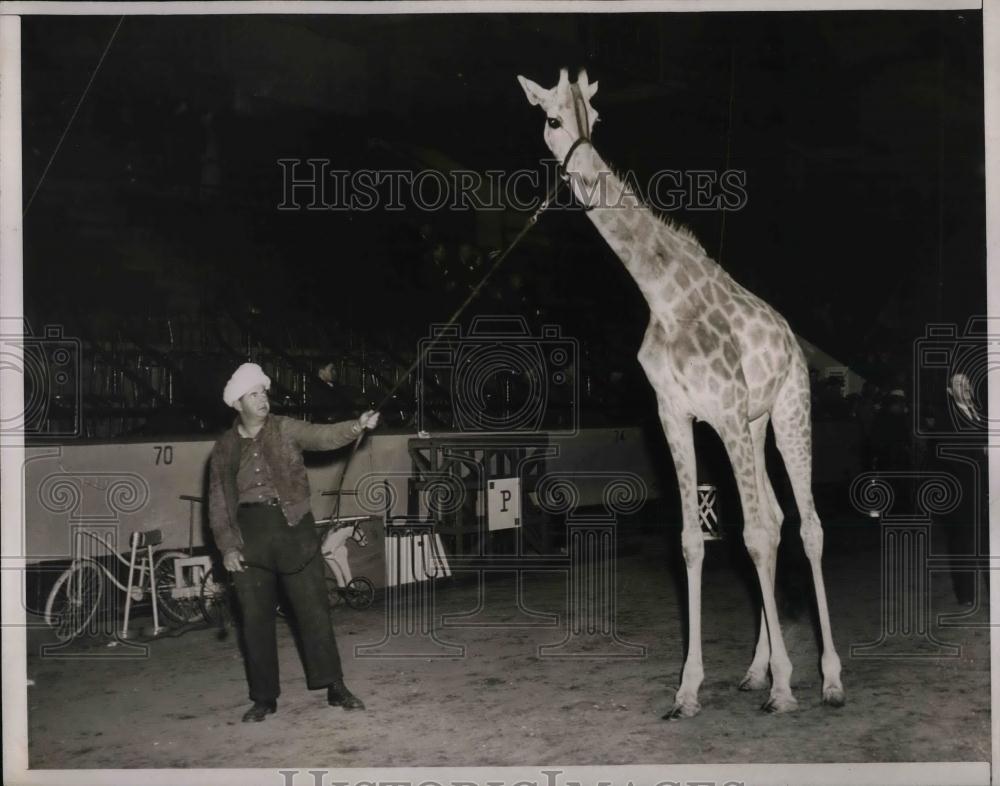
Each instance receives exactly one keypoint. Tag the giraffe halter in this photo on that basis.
(582, 123)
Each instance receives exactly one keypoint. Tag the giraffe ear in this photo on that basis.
(592, 90)
(536, 93)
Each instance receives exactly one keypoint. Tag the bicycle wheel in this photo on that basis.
(180, 604)
(74, 600)
(360, 593)
(215, 598)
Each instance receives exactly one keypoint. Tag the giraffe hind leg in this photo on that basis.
(760, 534)
(793, 434)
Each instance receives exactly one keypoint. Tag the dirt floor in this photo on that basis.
(505, 703)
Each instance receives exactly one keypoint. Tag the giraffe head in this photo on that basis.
(568, 113)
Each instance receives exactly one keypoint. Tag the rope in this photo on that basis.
(729, 141)
(73, 116)
(404, 377)
(474, 292)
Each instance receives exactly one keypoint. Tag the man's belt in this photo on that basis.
(265, 503)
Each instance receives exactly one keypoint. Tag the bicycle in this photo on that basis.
(76, 595)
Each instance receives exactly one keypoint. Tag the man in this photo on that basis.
(967, 524)
(259, 512)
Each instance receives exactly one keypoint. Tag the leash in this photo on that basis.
(546, 202)
(474, 292)
(583, 126)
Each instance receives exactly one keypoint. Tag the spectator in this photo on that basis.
(965, 527)
(866, 411)
(833, 403)
(891, 433)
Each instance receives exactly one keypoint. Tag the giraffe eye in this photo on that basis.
(554, 122)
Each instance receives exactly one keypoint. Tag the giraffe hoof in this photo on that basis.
(754, 682)
(833, 696)
(780, 703)
(683, 710)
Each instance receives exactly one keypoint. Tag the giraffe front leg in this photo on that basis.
(686, 703)
(680, 438)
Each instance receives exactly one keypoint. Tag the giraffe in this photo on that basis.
(715, 352)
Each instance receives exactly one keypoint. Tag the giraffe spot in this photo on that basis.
(697, 302)
(713, 386)
(695, 271)
(647, 267)
(682, 279)
(757, 335)
(720, 370)
(709, 295)
(684, 348)
(669, 292)
(621, 230)
(738, 322)
(729, 353)
(707, 341)
(718, 321)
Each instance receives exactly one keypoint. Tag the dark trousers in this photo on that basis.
(270, 542)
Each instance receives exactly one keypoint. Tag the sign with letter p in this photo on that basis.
(504, 504)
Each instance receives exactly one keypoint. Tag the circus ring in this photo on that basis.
(497, 671)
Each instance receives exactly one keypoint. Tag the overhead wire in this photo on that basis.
(76, 110)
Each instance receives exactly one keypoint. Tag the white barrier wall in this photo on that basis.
(138, 485)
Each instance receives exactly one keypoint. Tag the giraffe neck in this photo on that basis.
(665, 261)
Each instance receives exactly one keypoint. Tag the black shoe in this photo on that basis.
(337, 695)
(259, 711)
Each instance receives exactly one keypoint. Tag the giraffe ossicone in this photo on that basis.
(716, 352)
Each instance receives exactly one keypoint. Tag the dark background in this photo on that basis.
(861, 135)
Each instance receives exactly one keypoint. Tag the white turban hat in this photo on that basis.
(243, 380)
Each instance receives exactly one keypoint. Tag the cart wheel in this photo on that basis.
(216, 598)
(179, 604)
(360, 593)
